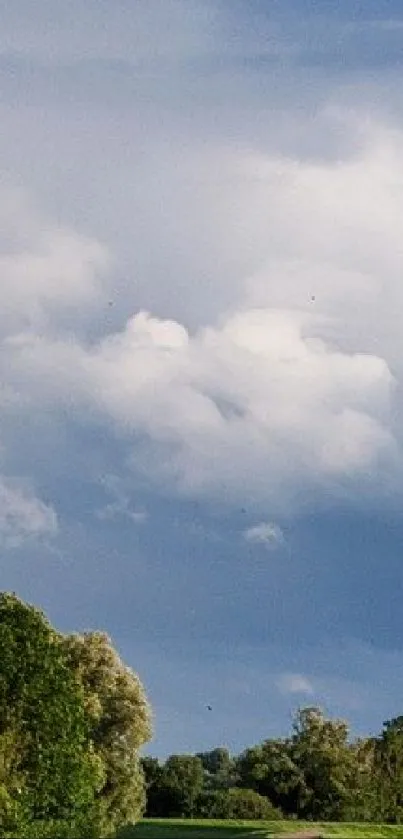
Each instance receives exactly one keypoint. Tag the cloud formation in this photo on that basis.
(121, 506)
(23, 516)
(288, 398)
(295, 683)
(267, 533)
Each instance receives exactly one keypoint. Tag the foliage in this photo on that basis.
(48, 773)
(155, 794)
(320, 749)
(119, 724)
(180, 785)
(219, 769)
(270, 769)
(388, 766)
(236, 803)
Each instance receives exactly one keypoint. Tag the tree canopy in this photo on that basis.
(72, 719)
(49, 775)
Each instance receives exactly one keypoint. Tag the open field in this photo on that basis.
(205, 829)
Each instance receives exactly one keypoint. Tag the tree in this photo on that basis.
(389, 771)
(320, 749)
(363, 802)
(153, 772)
(181, 784)
(49, 774)
(119, 720)
(219, 768)
(270, 770)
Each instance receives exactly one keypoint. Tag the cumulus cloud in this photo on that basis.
(294, 683)
(45, 269)
(287, 399)
(23, 516)
(267, 533)
(256, 405)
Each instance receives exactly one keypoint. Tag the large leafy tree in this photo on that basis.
(269, 768)
(49, 774)
(388, 774)
(362, 804)
(219, 768)
(153, 772)
(320, 749)
(119, 720)
(180, 785)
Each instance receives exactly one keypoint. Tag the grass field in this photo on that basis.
(199, 829)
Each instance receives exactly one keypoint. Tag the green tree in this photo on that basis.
(362, 803)
(320, 749)
(219, 768)
(153, 772)
(181, 785)
(389, 771)
(269, 769)
(120, 723)
(49, 774)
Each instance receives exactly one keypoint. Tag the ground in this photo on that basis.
(205, 829)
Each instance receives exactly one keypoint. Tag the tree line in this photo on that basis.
(73, 721)
(317, 773)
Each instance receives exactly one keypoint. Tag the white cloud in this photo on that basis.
(294, 683)
(289, 398)
(121, 506)
(46, 270)
(266, 533)
(23, 516)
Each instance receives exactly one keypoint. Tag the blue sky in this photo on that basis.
(200, 327)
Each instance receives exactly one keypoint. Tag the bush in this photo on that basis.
(237, 803)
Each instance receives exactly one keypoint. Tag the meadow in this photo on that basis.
(212, 829)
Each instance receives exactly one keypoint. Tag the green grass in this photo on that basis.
(206, 829)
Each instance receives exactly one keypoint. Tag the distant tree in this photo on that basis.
(269, 769)
(362, 802)
(180, 785)
(320, 749)
(153, 771)
(219, 768)
(389, 771)
(49, 774)
(119, 720)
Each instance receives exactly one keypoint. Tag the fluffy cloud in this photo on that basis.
(46, 271)
(294, 683)
(266, 533)
(289, 398)
(256, 406)
(23, 516)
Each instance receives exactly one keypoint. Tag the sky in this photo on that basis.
(201, 259)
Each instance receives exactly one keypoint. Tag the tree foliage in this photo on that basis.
(182, 782)
(388, 771)
(219, 768)
(119, 722)
(236, 803)
(320, 749)
(49, 774)
(270, 770)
